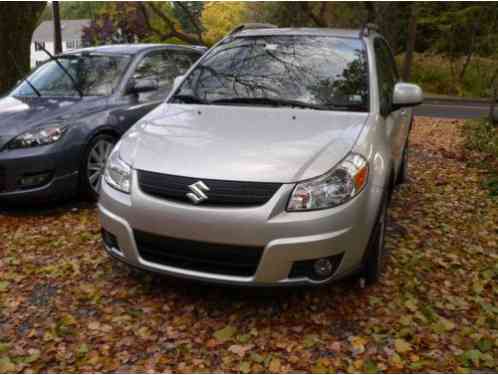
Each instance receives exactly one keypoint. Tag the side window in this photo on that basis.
(386, 72)
(183, 60)
(164, 65)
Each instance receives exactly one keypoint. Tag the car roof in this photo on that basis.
(133, 49)
(344, 33)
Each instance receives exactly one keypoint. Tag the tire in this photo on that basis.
(376, 254)
(403, 169)
(93, 164)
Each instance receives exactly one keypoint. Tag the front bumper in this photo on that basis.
(58, 164)
(286, 238)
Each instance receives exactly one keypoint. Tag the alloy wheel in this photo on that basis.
(95, 165)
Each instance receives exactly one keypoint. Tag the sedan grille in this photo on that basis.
(221, 193)
(199, 256)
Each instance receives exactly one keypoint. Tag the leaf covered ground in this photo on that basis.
(65, 306)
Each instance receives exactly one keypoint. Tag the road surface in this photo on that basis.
(460, 110)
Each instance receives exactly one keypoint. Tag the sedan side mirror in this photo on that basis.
(407, 95)
(140, 85)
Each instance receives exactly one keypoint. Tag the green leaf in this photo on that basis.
(245, 367)
(83, 349)
(485, 345)
(255, 357)
(4, 347)
(370, 367)
(6, 365)
(225, 334)
(4, 285)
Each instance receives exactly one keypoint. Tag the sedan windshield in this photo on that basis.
(94, 75)
(295, 71)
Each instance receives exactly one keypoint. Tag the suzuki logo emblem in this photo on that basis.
(197, 194)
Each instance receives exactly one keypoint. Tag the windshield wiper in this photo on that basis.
(191, 99)
(21, 74)
(269, 101)
(73, 81)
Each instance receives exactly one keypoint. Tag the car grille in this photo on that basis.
(221, 193)
(199, 256)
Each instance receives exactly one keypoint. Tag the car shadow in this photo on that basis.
(41, 209)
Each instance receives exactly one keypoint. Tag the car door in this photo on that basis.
(394, 120)
(163, 65)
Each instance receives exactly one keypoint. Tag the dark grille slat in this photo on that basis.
(198, 256)
(221, 192)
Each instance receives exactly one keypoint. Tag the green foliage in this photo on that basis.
(433, 73)
(72, 10)
(482, 137)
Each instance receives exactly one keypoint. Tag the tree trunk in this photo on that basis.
(18, 20)
(371, 13)
(410, 43)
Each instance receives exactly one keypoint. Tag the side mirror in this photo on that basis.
(139, 85)
(177, 82)
(407, 95)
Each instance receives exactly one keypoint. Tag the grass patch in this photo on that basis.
(481, 138)
(433, 73)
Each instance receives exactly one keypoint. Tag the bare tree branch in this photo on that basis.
(191, 19)
(318, 20)
(172, 31)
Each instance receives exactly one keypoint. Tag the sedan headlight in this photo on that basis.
(117, 172)
(38, 137)
(336, 187)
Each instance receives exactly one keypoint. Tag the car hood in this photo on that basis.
(241, 143)
(20, 114)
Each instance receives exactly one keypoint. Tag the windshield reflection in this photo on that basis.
(95, 75)
(322, 72)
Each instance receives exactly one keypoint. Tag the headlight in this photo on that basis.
(336, 187)
(117, 172)
(38, 137)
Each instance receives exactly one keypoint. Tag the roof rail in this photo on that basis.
(252, 26)
(366, 28)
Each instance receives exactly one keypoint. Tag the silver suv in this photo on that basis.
(271, 162)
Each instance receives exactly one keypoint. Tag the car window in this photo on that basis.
(94, 74)
(165, 66)
(387, 73)
(319, 72)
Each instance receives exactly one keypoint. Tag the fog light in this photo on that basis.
(323, 268)
(34, 180)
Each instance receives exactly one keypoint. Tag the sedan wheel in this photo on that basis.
(95, 159)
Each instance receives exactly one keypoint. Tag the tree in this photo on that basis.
(119, 22)
(410, 42)
(218, 18)
(18, 21)
(128, 22)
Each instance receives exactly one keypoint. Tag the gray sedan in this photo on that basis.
(58, 126)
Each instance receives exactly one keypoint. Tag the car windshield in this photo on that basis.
(94, 75)
(300, 71)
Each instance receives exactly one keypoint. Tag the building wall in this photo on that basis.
(38, 57)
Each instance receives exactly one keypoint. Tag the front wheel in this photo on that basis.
(93, 164)
(375, 260)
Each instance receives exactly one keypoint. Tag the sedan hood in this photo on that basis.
(18, 115)
(240, 143)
